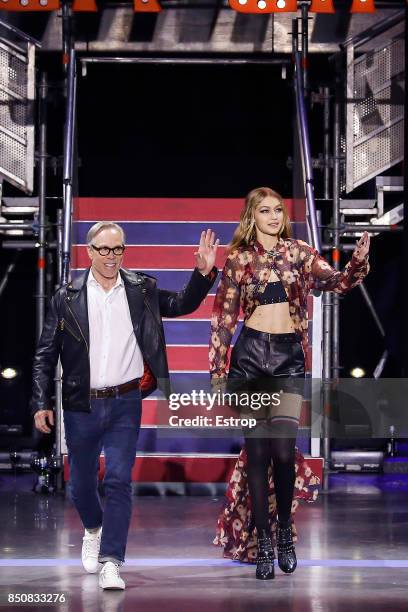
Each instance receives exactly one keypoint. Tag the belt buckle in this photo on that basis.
(111, 392)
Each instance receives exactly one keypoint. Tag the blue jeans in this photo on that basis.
(112, 425)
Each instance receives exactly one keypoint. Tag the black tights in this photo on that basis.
(260, 453)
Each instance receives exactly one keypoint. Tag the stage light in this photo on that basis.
(322, 6)
(264, 6)
(362, 6)
(357, 372)
(9, 373)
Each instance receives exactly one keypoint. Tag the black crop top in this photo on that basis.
(273, 294)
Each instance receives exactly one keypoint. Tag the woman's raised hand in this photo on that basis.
(207, 251)
(362, 247)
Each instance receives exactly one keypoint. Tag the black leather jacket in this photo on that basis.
(66, 334)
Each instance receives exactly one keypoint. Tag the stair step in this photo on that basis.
(356, 460)
(389, 181)
(367, 205)
(395, 465)
(191, 468)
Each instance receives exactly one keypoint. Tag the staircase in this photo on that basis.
(373, 143)
(162, 235)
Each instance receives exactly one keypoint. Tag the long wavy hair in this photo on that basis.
(245, 232)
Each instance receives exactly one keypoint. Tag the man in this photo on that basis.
(107, 329)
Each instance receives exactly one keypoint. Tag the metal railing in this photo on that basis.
(69, 133)
(306, 156)
(302, 129)
(19, 33)
(374, 108)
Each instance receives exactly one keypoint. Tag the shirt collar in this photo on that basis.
(92, 280)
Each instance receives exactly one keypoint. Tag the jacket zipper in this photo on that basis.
(79, 327)
(63, 324)
(87, 347)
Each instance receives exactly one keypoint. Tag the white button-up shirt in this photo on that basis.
(114, 354)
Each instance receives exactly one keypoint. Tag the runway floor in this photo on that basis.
(352, 551)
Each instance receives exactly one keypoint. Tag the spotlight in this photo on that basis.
(9, 373)
(357, 372)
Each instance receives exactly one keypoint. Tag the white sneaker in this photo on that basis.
(109, 577)
(91, 543)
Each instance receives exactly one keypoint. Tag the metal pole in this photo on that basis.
(295, 36)
(16, 226)
(372, 309)
(66, 33)
(367, 35)
(42, 169)
(219, 61)
(64, 218)
(331, 305)
(305, 44)
(68, 165)
(21, 245)
(306, 153)
(8, 271)
(326, 390)
(336, 234)
(60, 225)
(372, 227)
(326, 141)
(404, 369)
(19, 33)
(342, 247)
(49, 277)
(58, 371)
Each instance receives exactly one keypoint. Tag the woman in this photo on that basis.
(269, 275)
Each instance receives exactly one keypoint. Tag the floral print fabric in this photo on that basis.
(245, 275)
(234, 529)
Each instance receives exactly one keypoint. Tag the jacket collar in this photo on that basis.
(132, 278)
(278, 248)
(135, 293)
(128, 277)
(79, 281)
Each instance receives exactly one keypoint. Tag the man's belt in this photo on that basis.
(115, 391)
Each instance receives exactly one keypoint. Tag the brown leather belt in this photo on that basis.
(115, 391)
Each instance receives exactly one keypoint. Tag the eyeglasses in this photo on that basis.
(117, 250)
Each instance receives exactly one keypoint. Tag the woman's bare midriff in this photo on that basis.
(271, 318)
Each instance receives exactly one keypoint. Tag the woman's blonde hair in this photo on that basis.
(245, 232)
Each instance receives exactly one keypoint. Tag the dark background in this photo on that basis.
(197, 131)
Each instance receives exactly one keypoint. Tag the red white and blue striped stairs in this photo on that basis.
(162, 235)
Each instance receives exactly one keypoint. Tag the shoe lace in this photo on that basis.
(90, 544)
(111, 569)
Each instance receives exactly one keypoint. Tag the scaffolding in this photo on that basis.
(342, 162)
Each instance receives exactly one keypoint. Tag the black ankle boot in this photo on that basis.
(286, 551)
(265, 562)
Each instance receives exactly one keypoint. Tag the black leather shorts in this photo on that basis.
(272, 364)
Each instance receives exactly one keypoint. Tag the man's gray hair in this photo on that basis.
(102, 225)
